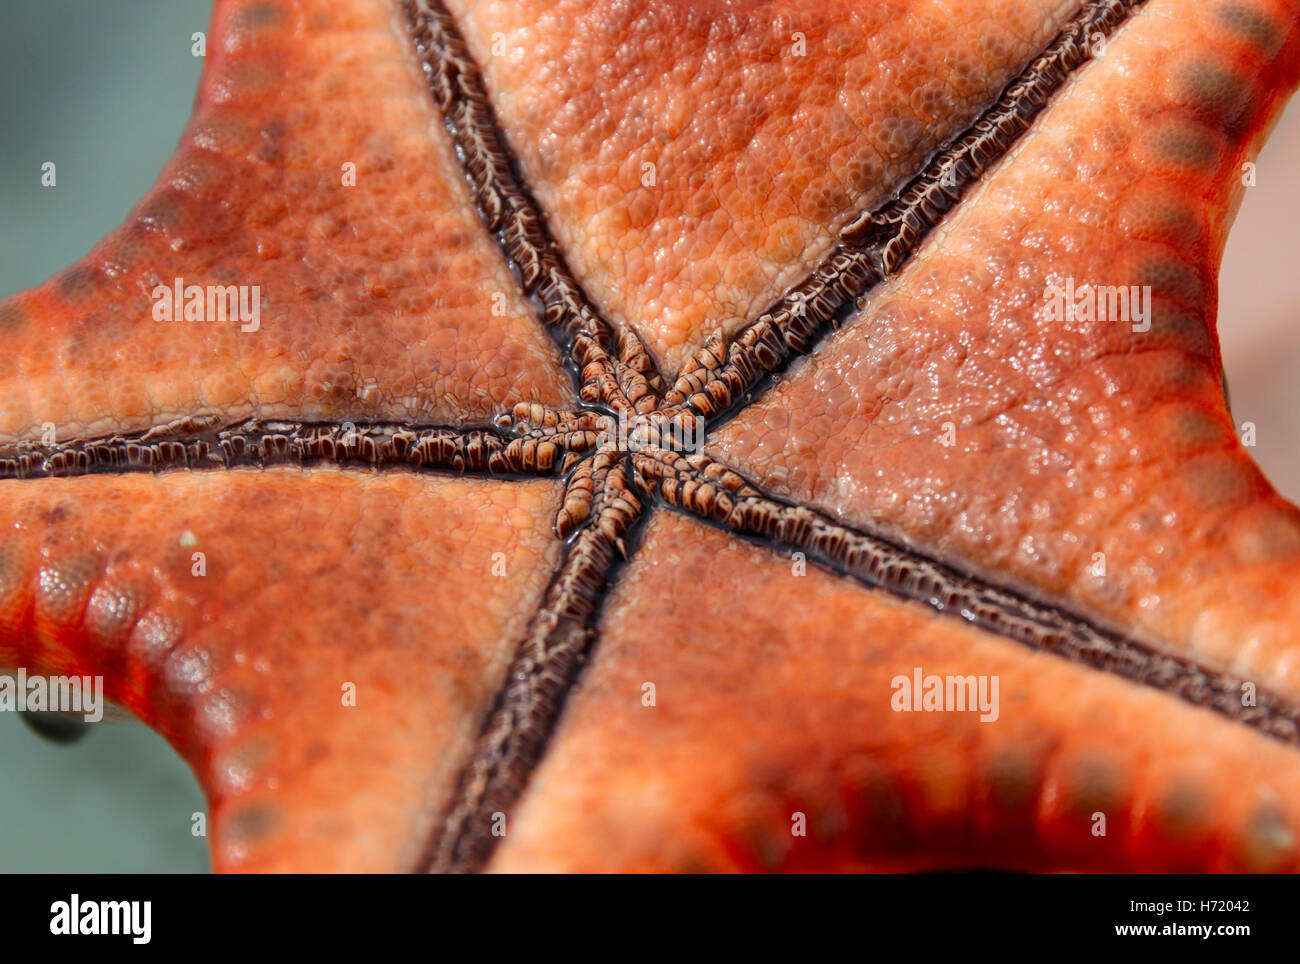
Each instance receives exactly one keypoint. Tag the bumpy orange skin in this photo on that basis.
(772, 691)
(377, 298)
(765, 126)
(240, 613)
(772, 683)
(1071, 439)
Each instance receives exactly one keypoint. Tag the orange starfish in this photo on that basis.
(985, 578)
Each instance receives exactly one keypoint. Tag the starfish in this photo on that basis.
(673, 437)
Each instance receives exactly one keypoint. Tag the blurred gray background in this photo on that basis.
(103, 89)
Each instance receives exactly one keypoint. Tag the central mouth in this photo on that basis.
(680, 431)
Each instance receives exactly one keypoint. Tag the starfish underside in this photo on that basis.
(642, 397)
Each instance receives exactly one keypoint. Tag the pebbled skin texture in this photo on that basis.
(242, 667)
(773, 685)
(377, 299)
(760, 154)
(1073, 438)
(743, 737)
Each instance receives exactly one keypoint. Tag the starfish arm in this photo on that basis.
(875, 243)
(236, 610)
(694, 164)
(1094, 462)
(612, 375)
(544, 667)
(374, 670)
(713, 492)
(743, 713)
(285, 630)
(316, 183)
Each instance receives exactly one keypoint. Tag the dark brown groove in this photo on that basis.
(540, 675)
(517, 730)
(513, 216)
(718, 379)
(721, 496)
(201, 444)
